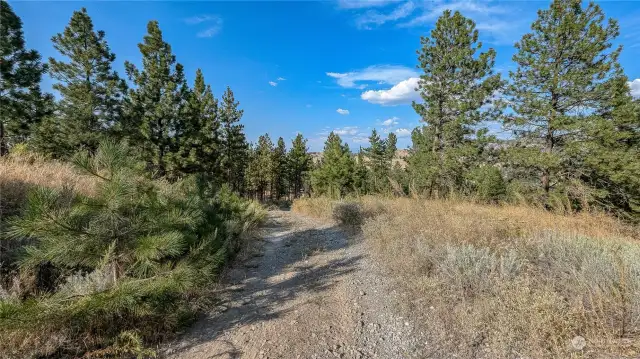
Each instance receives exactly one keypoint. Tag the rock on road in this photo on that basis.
(312, 292)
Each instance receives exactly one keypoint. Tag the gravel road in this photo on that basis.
(311, 292)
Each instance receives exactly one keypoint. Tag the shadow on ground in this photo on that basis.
(272, 283)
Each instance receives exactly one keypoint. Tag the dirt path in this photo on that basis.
(312, 293)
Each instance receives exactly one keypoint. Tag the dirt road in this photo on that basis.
(312, 292)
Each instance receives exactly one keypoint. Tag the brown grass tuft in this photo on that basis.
(19, 174)
(507, 282)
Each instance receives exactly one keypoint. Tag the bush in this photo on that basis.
(119, 269)
(348, 213)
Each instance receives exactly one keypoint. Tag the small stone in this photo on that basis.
(222, 308)
(406, 324)
(362, 293)
(578, 343)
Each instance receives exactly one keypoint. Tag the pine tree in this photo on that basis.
(22, 104)
(299, 163)
(391, 145)
(361, 174)
(612, 152)
(376, 155)
(563, 82)
(456, 87)
(199, 147)
(157, 104)
(260, 169)
(279, 170)
(233, 140)
(334, 175)
(91, 92)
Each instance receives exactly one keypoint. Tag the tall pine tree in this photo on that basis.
(156, 106)
(260, 169)
(566, 77)
(233, 141)
(279, 170)
(91, 92)
(299, 164)
(457, 85)
(376, 155)
(22, 104)
(334, 175)
(199, 145)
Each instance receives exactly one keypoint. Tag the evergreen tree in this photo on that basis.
(566, 75)
(361, 174)
(334, 175)
(299, 163)
(233, 141)
(377, 157)
(199, 146)
(279, 168)
(22, 104)
(612, 152)
(456, 87)
(391, 147)
(157, 104)
(91, 92)
(260, 169)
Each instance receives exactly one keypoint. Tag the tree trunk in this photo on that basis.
(3, 145)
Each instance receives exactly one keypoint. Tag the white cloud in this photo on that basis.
(500, 22)
(386, 74)
(274, 84)
(361, 4)
(281, 79)
(214, 24)
(466, 7)
(198, 19)
(403, 132)
(375, 18)
(361, 138)
(210, 32)
(346, 131)
(402, 93)
(390, 122)
(342, 112)
(635, 88)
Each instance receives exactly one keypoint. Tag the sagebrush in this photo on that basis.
(509, 281)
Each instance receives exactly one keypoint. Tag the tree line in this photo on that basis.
(177, 130)
(575, 129)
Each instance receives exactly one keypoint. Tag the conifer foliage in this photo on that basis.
(157, 103)
(457, 85)
(568, 90)
(334, 175)
(298, 165)
(124, 262)
(22, 104)
(91, 92)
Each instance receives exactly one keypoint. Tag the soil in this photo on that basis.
(310, 291)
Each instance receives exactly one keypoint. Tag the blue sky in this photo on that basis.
(305, 66)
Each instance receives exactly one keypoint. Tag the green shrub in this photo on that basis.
(486, 183)
(120, 268)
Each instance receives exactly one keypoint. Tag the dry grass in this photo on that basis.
(19, 174)
(511, 282)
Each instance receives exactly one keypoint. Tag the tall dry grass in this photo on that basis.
(511, 282)
(18, 174)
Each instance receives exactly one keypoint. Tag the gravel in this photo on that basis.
(313, 293)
